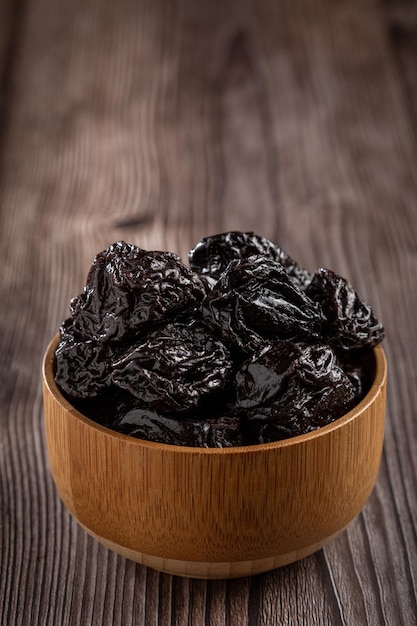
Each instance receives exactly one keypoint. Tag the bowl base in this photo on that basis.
(212, 570)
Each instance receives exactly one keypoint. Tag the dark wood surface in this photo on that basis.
(159, 123)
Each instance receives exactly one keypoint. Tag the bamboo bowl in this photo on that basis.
(214, 513)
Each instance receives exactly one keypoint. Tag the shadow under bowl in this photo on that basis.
(220, 512)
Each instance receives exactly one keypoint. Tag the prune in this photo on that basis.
(254, 300)
(350, 322)
(219, 432)
(360, 369)
(263, 376)
(82, 365)
(316, 393)
(129, 289)
(106, 407)
(174, 367)
(211, 256)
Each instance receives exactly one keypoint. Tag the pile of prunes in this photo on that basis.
(241, 347)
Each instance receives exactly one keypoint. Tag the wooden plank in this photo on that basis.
(8, 38)
(402, 24)
(159, 123)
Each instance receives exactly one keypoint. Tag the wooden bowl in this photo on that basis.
(214, 513)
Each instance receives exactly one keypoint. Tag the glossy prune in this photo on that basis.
(174, 367)
(350, 322)
(316, 393)
(254, 300)
(263, 376)
(359, 368)
(83, 367)
(129, 290)
(222, 432)
(211, 256)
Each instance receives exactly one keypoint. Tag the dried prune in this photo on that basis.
(360, 369)
(219, 432)
(174, 367)
(255, 300)
(105, 407)
(263, 376)
(83, 367)
(129, 289)
(350, 322)
(316, 393)
(211, 256)
(144, 423)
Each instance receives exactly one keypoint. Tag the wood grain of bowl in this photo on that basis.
(214, 513)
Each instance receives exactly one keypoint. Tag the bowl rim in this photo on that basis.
(378, 382)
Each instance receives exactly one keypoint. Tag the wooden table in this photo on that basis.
(159, 123)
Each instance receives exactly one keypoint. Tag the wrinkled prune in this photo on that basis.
(211, 256)
(129, 289)
(105, 408)
(350, 322)
(82, 365)
(220, 432)
(359, 368)
(255, 300)
(262, 377)
(316, 393)
(174, 367)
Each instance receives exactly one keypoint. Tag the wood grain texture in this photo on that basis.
(161, 122)
(9, 28)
